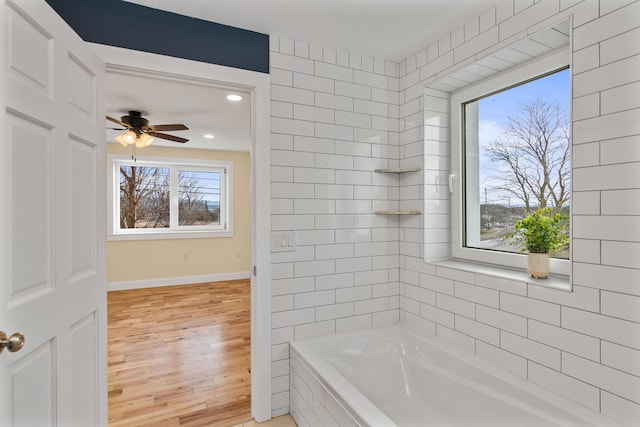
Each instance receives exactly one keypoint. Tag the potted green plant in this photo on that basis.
(538, 234)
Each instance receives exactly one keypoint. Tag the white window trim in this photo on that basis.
(113, 183)
(496, 82)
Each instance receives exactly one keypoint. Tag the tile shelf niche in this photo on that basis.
(398, 171)
(398, 212)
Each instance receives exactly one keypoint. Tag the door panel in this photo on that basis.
(83, 199)
(34, 406)
(82, 90)
(84, 339)
(30, 146)
(52, 217)
(25, 35)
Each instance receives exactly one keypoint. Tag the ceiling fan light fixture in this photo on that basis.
(121, 140)
(129, 136)
(126, 138)
(145, 140)
(140, 133)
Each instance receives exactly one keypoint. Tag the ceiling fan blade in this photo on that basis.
(167, 136)
(118, 122)
(164, 128)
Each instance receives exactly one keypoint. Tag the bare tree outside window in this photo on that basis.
(198, 198)
(145, 197)
(532, 156)
(517, 158)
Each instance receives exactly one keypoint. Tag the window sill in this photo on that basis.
(170, 235)
(558, 282)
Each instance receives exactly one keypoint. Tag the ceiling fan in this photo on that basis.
(141, 133)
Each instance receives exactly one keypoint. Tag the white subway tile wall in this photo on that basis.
(334, 120)
(336, 116)
(583, 344)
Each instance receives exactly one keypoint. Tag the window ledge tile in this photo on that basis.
(553, 281)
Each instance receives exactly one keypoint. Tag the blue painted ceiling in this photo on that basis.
(122, 24)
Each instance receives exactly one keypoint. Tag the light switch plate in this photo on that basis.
(283, 241)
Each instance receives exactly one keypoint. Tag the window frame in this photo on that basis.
(174, 231)
(500, 81)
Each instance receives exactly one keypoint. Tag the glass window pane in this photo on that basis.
(198, 198)
(516, 145)
(144, 197)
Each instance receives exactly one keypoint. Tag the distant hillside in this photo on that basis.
(212, 204)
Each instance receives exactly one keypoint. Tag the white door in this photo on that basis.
(52, 236)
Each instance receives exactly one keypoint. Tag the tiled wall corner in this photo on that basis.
(334, 119)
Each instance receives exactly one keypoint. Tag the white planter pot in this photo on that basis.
(538, 265)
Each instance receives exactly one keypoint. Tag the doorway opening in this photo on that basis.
(186, 365)
(258, 85)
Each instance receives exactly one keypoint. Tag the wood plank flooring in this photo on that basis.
(180, 355)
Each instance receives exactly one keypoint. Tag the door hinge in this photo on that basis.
(255, 271)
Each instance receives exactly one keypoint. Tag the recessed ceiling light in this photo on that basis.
(209, 136)
(233, 97)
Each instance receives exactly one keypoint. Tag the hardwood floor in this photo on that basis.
(180, 355)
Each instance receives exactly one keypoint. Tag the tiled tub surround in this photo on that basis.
(583, 344)
(389, 377)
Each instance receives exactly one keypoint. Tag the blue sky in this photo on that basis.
(554, 88)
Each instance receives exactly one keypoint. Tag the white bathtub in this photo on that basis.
(391, 377)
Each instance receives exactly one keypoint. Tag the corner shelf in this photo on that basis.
(397, 212)
(397, 170)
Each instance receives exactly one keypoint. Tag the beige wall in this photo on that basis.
(158, 259)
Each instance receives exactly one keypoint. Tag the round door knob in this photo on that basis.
(13, 343)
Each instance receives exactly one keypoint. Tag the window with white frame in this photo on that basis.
(510, 157)
(157, 198)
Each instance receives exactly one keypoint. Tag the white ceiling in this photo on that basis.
(203, 109)
(386, 29)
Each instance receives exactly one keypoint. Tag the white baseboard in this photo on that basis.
(174, 281)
